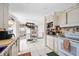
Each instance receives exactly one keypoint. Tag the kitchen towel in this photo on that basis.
(66, 45)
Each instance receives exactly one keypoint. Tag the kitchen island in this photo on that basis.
(12, 47)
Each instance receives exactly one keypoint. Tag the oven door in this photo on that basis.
(74, 48)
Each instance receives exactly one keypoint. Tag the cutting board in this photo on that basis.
(5, 42)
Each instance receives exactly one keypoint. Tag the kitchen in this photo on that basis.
(39, 29)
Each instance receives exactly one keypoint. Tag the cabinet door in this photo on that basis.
(50, 42)
(62, 19)
(6, 16)
(49, 18)
(73, 17)
(56, 45)
(14, 50)
(18, 45)
(1, 15)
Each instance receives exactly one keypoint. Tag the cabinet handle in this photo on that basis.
(66, 18)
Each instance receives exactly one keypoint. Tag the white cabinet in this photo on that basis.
(4, 15)
(70, 17)
(62, 19)
(1, 15)
(73, 17)
(14, 50)
(49, 18)
(50, 41)
(56, 45)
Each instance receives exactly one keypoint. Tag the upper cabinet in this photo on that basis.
(6, 18)
(52, 18)
(1, 15)
(4, 15)
(49, 18)
(73, 17)
(69, 17)
(62, 19)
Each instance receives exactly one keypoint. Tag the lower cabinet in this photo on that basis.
(56, 44)
(14, 50)
(50, 42)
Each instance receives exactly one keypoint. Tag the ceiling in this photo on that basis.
(34, 10)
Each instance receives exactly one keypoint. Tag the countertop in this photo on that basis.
(5, 42)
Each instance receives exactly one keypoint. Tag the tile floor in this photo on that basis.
(37, 48)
